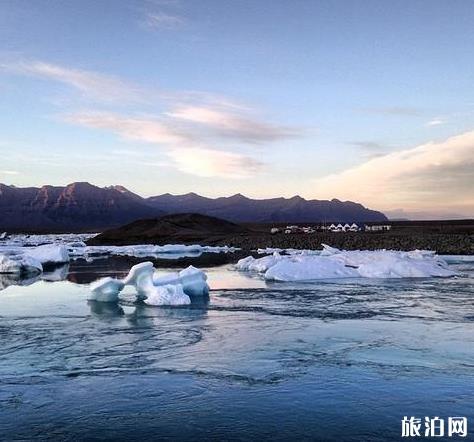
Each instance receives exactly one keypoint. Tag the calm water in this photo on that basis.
(319, 361)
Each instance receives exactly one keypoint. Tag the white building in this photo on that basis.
(378, 228)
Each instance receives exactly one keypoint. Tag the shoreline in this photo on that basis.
(441, 243)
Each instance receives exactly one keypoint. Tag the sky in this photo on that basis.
(369, 101)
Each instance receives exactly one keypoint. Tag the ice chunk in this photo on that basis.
(194, 282)
(49, 253)
(192, 279)
(167, 295)
(260, 265)
(106, 290)
(328, 250)
(19, 264)
(308, 268)
(169, 278)
(171, 289)
(147, 250)
(142, 272)
(335, 263)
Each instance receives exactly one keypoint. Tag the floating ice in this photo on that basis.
(271, 250)
(260, 265)
(27, 260)
(193, 281)
(167, 295)
(49, 253)
(171, 289)
(146, 250)
(106, 290)
(19, 264)
(335, 263)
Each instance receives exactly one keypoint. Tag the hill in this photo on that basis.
(187, 228)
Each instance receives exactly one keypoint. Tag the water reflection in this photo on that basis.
(142, 314)
(105, 310)
(52, 274)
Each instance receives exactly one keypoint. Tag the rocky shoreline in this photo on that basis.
(455, 237)
(442, 243)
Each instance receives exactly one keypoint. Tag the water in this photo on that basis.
(340, 360)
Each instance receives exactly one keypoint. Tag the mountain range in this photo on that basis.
(85, 207)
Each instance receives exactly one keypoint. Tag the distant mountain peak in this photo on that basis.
(238, 196)
(119, 188)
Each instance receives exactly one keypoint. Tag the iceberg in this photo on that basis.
(335, 263)
(146, 250)
(260, 265)
(106, 290)
(19, 264)
(171, 289)
(27, 260)
(167, 295)
(49, 254)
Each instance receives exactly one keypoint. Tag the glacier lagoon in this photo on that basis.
(328, 360)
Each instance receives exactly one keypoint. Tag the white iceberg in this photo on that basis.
(307, 268)
(49, 253)
(146, 250)
(106, 290)
(19, 264)
(335, 263)
(27, 260)
(260, 265)
(171, 289)
(167, 295)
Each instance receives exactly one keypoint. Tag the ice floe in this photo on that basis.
(28, 260)
(21, 264)
(146, 250)
(49, 253)
(335, 263)
(24, 240)
(171, 289)
(77, 248)
(63, 252)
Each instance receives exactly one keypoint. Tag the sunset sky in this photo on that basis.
(370, 101)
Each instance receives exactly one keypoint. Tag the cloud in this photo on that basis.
(93, 85)
(196, 121)
(187, 153)
(231, 124)
(433, 176)
(397, 111)
(214, 163)
(435, 122)
(147, 130)
(161, 20)
(370, 149)
(9, 172)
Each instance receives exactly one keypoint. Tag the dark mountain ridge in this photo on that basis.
(239, 208)
(75, 207)
(85, 207)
